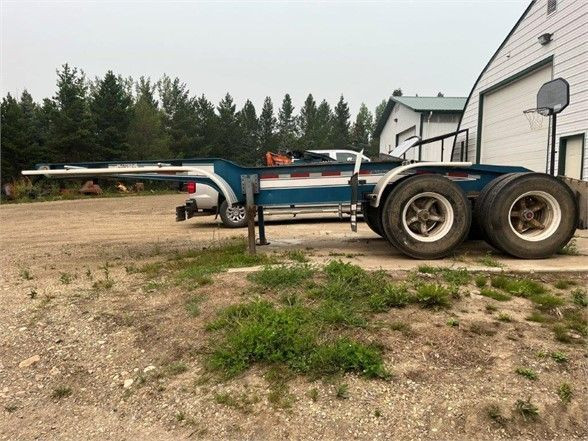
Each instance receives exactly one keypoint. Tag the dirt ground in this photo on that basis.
(58, 333)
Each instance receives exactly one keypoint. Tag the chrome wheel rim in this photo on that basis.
(534, 216)
(236, 214)
(427, 217)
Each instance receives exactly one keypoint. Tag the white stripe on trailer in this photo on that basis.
(313, 182)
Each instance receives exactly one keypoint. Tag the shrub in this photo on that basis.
(527, 373)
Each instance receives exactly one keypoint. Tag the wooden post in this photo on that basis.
(250, 212)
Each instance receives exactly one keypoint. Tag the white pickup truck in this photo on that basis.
(204, 200)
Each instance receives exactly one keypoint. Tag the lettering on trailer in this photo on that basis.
(336, 178)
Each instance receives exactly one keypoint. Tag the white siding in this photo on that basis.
(406, 117)
(569, 48)
(436, 125)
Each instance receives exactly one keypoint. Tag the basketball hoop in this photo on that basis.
(535, 116)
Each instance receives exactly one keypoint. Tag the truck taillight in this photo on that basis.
(191, 187)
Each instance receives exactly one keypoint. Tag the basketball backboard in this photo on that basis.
(553, 96)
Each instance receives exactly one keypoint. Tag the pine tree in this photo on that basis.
(286, 125)
(250, 129)
(229, 142)
(146, 135)
(11, 121)
(397, 92)
(179, 116)
(362, 129)
(206, 126)
(267, 126)
(71, 134)
(379, 111)
(323, 132)
(307, 124)
(112, 112)
(340, 134)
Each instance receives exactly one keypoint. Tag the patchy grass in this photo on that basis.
(527, 373)
(313, 394)
(259, 332)
(504, 317)
(565, 393)
(241, 402)
(391, 296)
(547, 302)
(453, 322)
(490, 261)
(25, 274)
(66, 278)
(538, 317)
(296, 256)
(519, 287)
(61, 392)
(564, 284)
(495, 414)
(494, 294)
(176, 368)
(282, 276)
(193, 305)
(526, 409)
(571, 249)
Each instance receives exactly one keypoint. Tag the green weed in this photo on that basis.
(480, 281)
(496, 295)
(504, 317)
(342, 392)
(559, 357)
(571, 249)
(579, 297)
(489, 261)
(518, 287)
(282, 276)
(527, 373)
(565, 392)
(527, 409)
(431, 295)
(564, 284)
(193, 305)
(61, 392)
(297, 256)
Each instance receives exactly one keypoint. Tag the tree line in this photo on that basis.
(116, 118)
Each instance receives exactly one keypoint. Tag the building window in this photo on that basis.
(551, 6)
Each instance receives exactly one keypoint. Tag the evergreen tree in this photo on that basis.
(362, 129)
(323, 132)
(11, 121)
(146, 136)
(206, 125)
(286, 125)
(71, 134)
(440, 95)
(380, 111)
(250, 130)
(179, 116)
(112, 112)
(267, 126)
(397, 92)
(307, 124)
(340, 133)
(228, 144)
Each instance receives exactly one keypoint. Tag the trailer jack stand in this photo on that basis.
(261, 226)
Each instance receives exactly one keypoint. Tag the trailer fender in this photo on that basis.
(399, 172)
(187, 173)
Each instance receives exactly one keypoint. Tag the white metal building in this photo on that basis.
(427, 117)
(550, 40)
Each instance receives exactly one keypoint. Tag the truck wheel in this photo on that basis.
(532, 215)
(480, 205)
(426, 216)
(233, 217)
(372, 218)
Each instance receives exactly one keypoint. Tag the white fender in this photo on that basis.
(69, 170)
(396, 173)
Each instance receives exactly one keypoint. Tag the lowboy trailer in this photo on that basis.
(424, 209)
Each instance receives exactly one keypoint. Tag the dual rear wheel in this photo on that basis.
(526, 215)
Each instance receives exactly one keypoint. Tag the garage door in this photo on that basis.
(507, 138)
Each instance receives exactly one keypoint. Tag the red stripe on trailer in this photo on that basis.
(458, 174)
(331, 173)
(269, 176)
(424, 172)
(300, 175)
(365, 172)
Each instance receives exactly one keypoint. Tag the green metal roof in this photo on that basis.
(427, 103)
(445, 104)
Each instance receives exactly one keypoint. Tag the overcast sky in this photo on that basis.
(254, 49)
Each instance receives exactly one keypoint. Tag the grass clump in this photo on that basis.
(564, 284)
(282, 276)
(432, 295)
(342, 392)
(66, 278)
(527, 409)
(61, 392)
(496, 295)
(193, 305)
(579, 297)
(527, 373)
(453, 322)
(480, 281)
(565, 392)
(495, 414)
(559, 357)
(518, 287)
(258, 332)
(537, 317)
(297, 256)
(504, 317)
(335, 312)
(428, 269)
(547, 302)
(391, 296)
(25, 274)
(176, 368)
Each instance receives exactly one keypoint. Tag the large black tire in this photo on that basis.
(233, 217)
(426, 216)
(371, 216)
(479, 207)
(530, 215)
